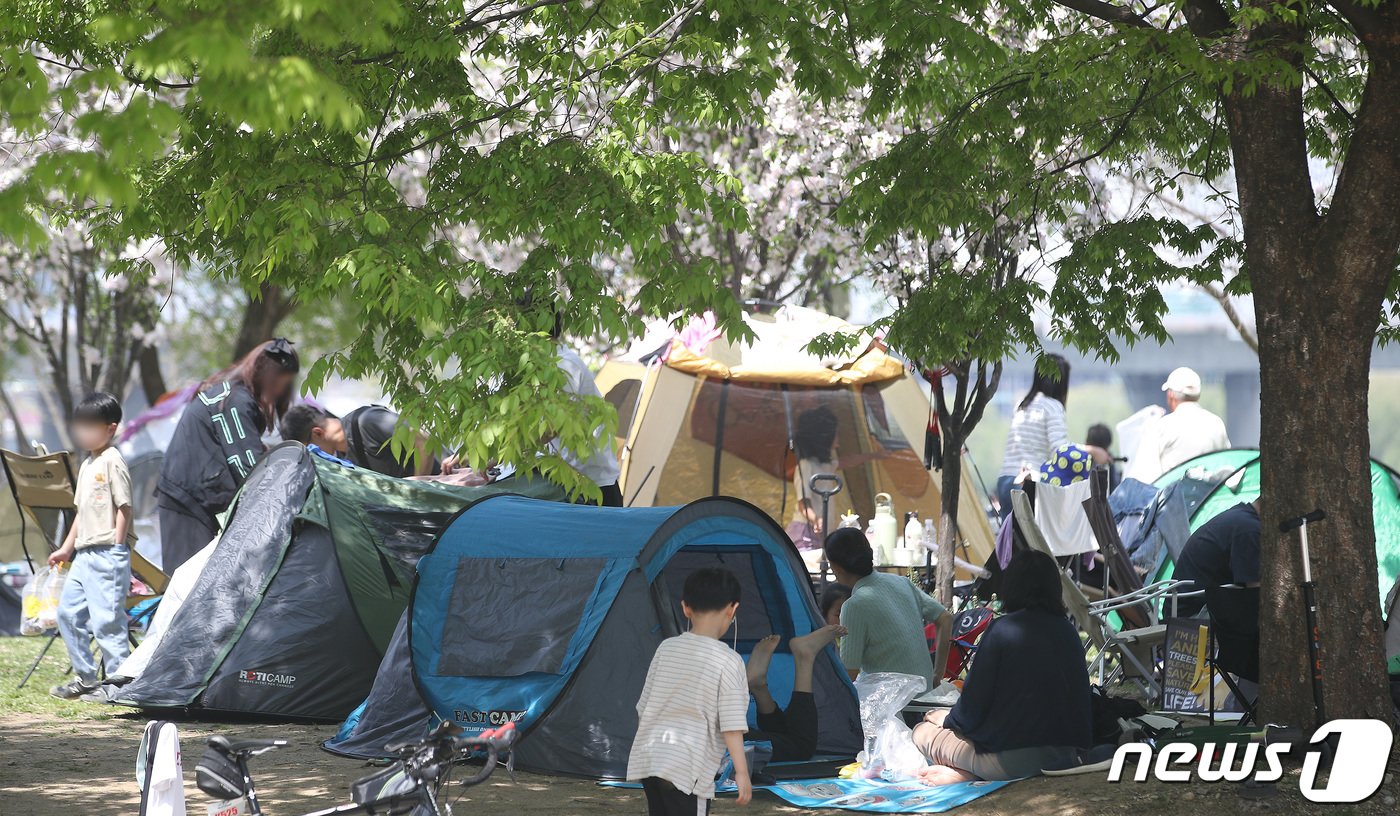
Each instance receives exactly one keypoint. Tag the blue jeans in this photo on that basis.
(1004, 485)
(92, 607)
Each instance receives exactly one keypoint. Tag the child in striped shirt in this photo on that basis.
(694, 705)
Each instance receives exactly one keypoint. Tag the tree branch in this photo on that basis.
(1125, 119)
(1109, 13)
(1336, 103)
(472, 25)
(1228, 307)
(12, 414)
(1367, 20)
(1208, 19)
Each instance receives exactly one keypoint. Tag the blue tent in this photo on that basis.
(548, 615)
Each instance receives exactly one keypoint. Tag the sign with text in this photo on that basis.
(1185, 670)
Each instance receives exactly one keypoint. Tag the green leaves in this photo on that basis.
(24, 91)
(432, 165)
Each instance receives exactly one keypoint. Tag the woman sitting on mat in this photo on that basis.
(1025, 706)
(793, 732)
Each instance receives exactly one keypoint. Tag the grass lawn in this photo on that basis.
(16, 656)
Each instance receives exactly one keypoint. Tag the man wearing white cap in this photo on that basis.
(1186, 432)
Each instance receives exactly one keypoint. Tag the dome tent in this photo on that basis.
(393, 712)
(298, 600)
(1231, 477)
(699, 416)
(548, 615)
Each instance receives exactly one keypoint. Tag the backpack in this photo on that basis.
(1106, 712)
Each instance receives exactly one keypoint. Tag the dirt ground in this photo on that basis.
(60, 759)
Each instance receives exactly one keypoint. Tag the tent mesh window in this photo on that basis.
(734, 440)
(407, 532)
(498, 641)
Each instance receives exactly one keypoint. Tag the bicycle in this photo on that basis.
(411, 784)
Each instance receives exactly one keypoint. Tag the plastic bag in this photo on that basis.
(40, 601)
(890, 753)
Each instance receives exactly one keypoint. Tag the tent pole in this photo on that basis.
(637, 410)
(782, 465)
(719, 435)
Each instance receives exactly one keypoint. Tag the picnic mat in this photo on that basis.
(868, 795)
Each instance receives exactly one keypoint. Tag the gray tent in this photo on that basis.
(393, 712)
(298, 601)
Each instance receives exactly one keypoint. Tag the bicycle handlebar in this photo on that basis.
(493, 741)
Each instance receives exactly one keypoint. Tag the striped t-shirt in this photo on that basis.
(696, 690)
(1036, 431)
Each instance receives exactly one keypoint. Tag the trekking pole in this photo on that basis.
(1309, 588)
(826, 493)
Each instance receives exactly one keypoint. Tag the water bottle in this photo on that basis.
(885, 528)
(913, 531)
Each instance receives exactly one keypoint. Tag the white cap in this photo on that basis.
(1183, 381)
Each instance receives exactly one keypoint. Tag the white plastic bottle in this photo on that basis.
(885, 528)
(913, 532)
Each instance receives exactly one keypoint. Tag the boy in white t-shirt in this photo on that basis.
(694, 705)
(92, 606)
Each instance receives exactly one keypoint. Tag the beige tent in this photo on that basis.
(718, 421)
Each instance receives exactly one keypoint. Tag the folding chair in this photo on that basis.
(1234, 635)
(1121, 579)
(140, 608)
(43, 482)
(1133, 648)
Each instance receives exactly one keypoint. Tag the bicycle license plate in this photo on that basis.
(229, 807)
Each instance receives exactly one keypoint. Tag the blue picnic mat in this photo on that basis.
(868, 795)
(876, 796)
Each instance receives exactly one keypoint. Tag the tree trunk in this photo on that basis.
(12, 414)
(1319, 282)
(1315, 453)
(264, 313)
(948, 513)
(152, 380)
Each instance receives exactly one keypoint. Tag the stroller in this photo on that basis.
(968, 627)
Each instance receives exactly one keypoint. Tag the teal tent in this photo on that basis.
(1233, 476)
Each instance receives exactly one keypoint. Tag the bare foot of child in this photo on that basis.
(811, 645)
(759, 659)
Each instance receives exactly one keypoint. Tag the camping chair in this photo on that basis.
(43, 482)
(140, 608)
(1133, 648)
(1234, 635)
(1121, 579)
